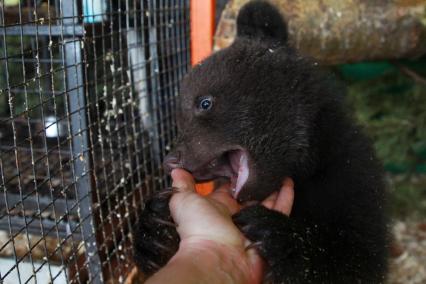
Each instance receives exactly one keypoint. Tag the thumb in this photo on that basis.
(183, 180)
(184, 184)
(223, 196)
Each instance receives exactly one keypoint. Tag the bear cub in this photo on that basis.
(256, 113)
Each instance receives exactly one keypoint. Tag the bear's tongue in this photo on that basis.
(239, 164)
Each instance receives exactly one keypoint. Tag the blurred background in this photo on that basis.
(391, 105)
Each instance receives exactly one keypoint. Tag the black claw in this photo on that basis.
(246, 228)
(255, 245)
(161, 246)
(164, 222)
(164, 193)
(153, 265)
(268, 278)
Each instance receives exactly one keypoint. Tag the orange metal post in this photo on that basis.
(202, 30)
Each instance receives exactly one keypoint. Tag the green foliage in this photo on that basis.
(408, 195)
(392, 108)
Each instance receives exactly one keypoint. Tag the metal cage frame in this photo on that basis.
(119, 64)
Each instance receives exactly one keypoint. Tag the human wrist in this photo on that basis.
(207, 261)
(216, 262)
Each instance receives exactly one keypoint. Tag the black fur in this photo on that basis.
(156, 238)
(291, 119)
(259, 20)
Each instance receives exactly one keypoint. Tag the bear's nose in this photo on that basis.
(172, 161)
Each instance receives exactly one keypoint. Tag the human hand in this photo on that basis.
(206, 229)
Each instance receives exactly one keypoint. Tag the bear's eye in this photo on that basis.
(205, 104)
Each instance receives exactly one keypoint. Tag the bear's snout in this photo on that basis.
(172, 161)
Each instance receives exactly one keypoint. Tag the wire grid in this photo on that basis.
(87, 106)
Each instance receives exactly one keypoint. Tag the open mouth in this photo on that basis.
(233, 165)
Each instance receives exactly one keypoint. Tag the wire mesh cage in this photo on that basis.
(87, 100)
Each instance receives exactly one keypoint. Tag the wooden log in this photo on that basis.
(344, 31)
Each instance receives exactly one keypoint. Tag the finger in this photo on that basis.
(284, 202)
(223, 195)
(184, 184)
(226, 187)
(269, 202)
(257, 263)
(183, 180)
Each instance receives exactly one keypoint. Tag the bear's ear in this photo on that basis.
(261, 20)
